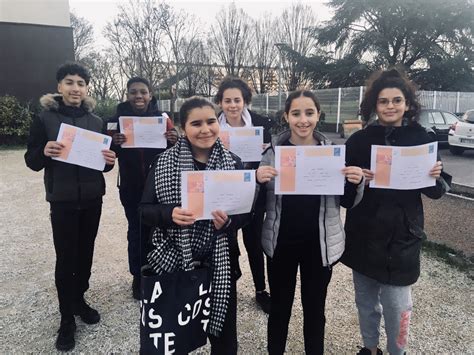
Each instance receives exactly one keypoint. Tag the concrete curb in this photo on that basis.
(461, 189)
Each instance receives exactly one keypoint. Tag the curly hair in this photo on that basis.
(72, 68)
(232, 82)
(138, 79)
(391, 78)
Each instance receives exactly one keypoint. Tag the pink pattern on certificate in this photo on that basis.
(195, 190)
(288, 169)
(69, 133)
(128, 131)
(383, 166)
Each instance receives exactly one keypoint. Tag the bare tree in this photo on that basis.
(263, 54)
(231, 39)
(83, 35)
(136, 41)
(295, 40)
(105, 83)
(181, 34)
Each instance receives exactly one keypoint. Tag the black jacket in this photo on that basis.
(134, 163)
(64, 182)
(384, 231)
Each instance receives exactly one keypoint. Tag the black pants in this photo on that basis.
(226, 344)
(253, 244)
(138, 239)
(314, 282)
(74, 232)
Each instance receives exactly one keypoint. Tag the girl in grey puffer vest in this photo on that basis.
(302, 231)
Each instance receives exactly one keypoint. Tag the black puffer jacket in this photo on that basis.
(64, 182)
(385, 230)
(134, 163)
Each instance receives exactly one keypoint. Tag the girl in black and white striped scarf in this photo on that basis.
(177, 237)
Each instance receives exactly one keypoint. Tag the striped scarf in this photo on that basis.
(175, 247)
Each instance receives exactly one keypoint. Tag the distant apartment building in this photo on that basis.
(35, 38)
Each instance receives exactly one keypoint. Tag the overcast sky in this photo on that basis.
(99, 12)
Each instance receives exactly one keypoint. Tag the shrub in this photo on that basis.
(15, 120)
(105, 109)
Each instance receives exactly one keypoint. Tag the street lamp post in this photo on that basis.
(279, 46)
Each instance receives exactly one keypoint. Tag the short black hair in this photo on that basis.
(189, 105)
(232, 82)
(388, 79)
(73, 68)
(138, 79)
(300, 93)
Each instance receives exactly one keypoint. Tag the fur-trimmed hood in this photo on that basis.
(50, 102)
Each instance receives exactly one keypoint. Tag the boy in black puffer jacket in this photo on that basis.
(74, 193)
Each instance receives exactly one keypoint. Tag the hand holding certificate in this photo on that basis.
(231, 191)
(82, 147)
(310, 170)
(245, 142)
(143, 132)
(403, 168)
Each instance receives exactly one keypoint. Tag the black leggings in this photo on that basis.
(314, 283)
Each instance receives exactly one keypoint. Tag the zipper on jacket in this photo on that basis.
(77, 172)
(326, 233)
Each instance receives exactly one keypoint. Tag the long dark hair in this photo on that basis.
(391, 78)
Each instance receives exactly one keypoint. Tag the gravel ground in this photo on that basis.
(443, 304)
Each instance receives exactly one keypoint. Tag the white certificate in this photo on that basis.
(403, 168)
(245, 142)
(82, 147)
(231, 191)
(143, 132)
(310, 170)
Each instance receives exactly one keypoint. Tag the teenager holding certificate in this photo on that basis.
(302, 231)
(234, 96)
(385, 230)
(177, 233)
(74, 193)
(133, 169)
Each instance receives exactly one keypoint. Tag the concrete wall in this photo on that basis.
(35, 39)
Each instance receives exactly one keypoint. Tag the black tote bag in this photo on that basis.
(174, 310)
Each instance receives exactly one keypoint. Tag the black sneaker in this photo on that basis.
(263, 299)
(88, 314)
(136, 287)
(65, 340)
(366, 351)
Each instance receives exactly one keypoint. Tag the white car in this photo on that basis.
(461, 134)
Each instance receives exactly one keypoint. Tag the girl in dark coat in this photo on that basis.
(385, 230)
(234, 96)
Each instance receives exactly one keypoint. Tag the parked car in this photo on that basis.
(461, 135)
(438, 122)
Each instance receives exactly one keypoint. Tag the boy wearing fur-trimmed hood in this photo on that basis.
(74, 193)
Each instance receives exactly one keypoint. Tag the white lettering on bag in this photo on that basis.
(157, 291)
(168, 343)
(153, 316)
